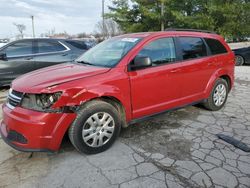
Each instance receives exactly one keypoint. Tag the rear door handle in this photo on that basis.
(175, 70)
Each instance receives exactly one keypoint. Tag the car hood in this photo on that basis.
(55, 75)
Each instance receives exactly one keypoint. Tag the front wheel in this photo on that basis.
(218, 96)
(95, 128)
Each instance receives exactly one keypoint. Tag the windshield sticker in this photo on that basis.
(130, 39)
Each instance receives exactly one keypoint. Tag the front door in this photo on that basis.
(156, 88)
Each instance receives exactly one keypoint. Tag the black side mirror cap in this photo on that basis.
(140, 62)
(3, 56)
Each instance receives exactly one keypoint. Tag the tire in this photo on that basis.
(239, 60)
(96, 127)
(218, 96)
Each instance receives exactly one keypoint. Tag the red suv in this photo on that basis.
(119, 82)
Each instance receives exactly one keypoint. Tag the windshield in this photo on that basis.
(109, 52)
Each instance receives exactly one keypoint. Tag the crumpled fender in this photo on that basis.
(78, 96)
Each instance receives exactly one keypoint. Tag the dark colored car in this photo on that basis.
(242, 56)
(119, 82)
(23, 56)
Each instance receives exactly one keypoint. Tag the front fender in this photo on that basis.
(78, 96)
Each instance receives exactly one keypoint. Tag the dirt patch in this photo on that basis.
(155, 135)
(161, 142)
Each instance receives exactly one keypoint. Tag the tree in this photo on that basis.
(82, 35)
(144, 15)
(109, 29)
(21, 28)
(50, 32)
(231, 18)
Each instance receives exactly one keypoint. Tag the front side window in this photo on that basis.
(45, 47)
(160, 51)
(215, 46)
(108, 53)
(19, 49)
(192, 47)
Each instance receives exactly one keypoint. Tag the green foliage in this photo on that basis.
(231, 18)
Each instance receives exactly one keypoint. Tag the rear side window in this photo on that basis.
(160, 51)
(215, 46)
(79, 45)
(45, 47)
(192, 47)
(19, 48)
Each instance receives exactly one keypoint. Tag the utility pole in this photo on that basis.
(103, 19)
(162, 15)
(33, 27)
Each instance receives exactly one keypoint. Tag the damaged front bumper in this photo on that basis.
(28, 130)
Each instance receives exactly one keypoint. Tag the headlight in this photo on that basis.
(47, 100)
(40, 102)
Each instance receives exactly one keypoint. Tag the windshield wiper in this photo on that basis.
(84, 62)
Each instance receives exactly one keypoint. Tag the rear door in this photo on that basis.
(19, 60)
(197, 67)
(50, 52)
(157, 88)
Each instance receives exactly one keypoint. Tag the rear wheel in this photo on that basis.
(95, 128)
(239, 60)
(218, 96)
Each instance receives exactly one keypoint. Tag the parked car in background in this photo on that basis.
(118, 82)
(3, 42)
(22, 56)
(242, 56)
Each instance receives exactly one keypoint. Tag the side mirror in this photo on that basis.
(3, 56)
(140, 63)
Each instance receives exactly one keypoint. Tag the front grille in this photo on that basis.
(16, 137)
(17, 93)
(14, 98)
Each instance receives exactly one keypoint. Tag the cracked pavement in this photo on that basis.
(177, 149)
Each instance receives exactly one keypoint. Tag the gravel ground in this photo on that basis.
(177, 149)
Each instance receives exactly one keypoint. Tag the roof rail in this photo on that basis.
(193, 30)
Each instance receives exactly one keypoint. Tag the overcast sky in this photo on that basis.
(72, 16)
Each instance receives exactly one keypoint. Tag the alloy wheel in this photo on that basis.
(98, 129)
(220, 94)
